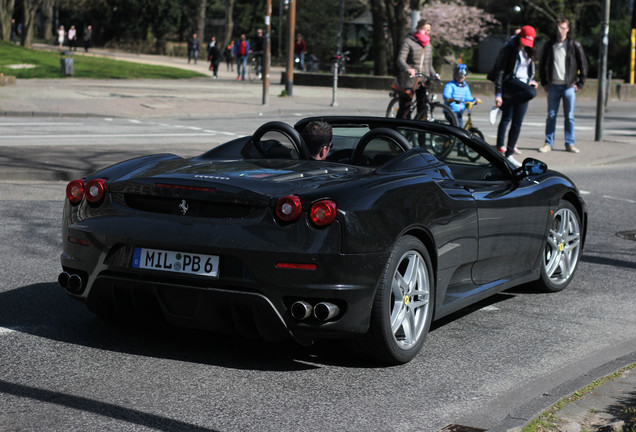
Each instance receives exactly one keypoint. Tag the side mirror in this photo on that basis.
(533, 167)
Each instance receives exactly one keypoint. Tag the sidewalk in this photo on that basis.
(229, 98)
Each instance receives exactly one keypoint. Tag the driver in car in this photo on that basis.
(317, 136)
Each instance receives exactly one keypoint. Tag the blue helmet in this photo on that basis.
(460, 69)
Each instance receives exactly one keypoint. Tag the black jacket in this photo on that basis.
(575, 64)
(505, 65)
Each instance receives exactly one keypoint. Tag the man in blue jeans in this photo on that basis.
(562, 69)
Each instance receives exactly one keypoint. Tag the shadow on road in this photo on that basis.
(44, 310)
(129, 415)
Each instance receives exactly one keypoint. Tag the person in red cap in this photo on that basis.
(415, 56)
(515, 85)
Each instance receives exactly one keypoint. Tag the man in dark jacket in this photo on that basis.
(193, 48)
(562, 69)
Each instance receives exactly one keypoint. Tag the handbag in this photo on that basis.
(516, 90)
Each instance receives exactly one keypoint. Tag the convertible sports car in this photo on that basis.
(256, 237)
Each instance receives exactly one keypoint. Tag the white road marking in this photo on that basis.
(201, 131)
(619, 199)
(582, 192)
(43, 124)
(219, 132)
(490, 308)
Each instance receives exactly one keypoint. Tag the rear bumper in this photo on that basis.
(251, 297)
(230, 310)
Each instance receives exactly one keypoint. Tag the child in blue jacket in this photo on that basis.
(457, 92)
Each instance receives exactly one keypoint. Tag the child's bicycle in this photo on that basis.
(443, 151)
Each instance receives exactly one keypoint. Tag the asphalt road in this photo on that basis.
(491, 366)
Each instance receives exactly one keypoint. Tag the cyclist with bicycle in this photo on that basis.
(258, 51)
(457, 93)
(415, 57)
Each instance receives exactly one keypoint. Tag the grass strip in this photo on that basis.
(46, 64)
(548, 420)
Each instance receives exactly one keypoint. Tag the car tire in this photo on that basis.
(403, 306)
(562, 249)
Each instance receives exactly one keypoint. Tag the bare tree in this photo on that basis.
(6, 13)
(30, 7)
(396, 16)
(47, 19)
(229, 21)
(378, 44)
(553, 9)
(416, 5)
(201, 20)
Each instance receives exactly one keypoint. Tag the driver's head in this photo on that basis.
(317, 136)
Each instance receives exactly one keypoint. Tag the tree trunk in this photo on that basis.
(47, 20)
(28, 27)
(6, 13)
(396, 14)
(201, 21)
(378, 42)
(229, 21)
(416, 7)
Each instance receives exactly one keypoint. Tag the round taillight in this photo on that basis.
(323, 213)
(75, 191)
(95, 190)
(289, 208)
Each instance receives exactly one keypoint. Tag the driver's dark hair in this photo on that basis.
(316, 134)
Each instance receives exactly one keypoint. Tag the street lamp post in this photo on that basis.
(336, 62)
(267, 55)
(289, 85)
(602, 72)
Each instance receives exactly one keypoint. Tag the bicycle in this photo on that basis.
(254, 69)
(339, 59)
(431, 110)
(448, 145)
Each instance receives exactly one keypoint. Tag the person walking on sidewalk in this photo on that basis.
(241, 49)
(88, 36)
(513, 76)
(214, 56)
(193, 48)
(60, 37)
(229, 56)
(72, 39)
(562, 70)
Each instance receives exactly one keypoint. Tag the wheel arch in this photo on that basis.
(573, 199)
(426, 237)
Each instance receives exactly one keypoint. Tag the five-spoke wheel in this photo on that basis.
(403, 306)
(562, 248)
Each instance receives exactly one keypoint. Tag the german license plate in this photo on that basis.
(176, 262)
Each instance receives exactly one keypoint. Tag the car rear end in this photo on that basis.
(239, 248)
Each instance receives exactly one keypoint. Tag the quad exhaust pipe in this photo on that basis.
(301, 310)
(323, 311)
(71, 282)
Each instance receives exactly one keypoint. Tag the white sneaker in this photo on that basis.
(494, 112)
(514, 161)
(545, 149)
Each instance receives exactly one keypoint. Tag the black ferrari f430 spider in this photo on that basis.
(372, 244)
